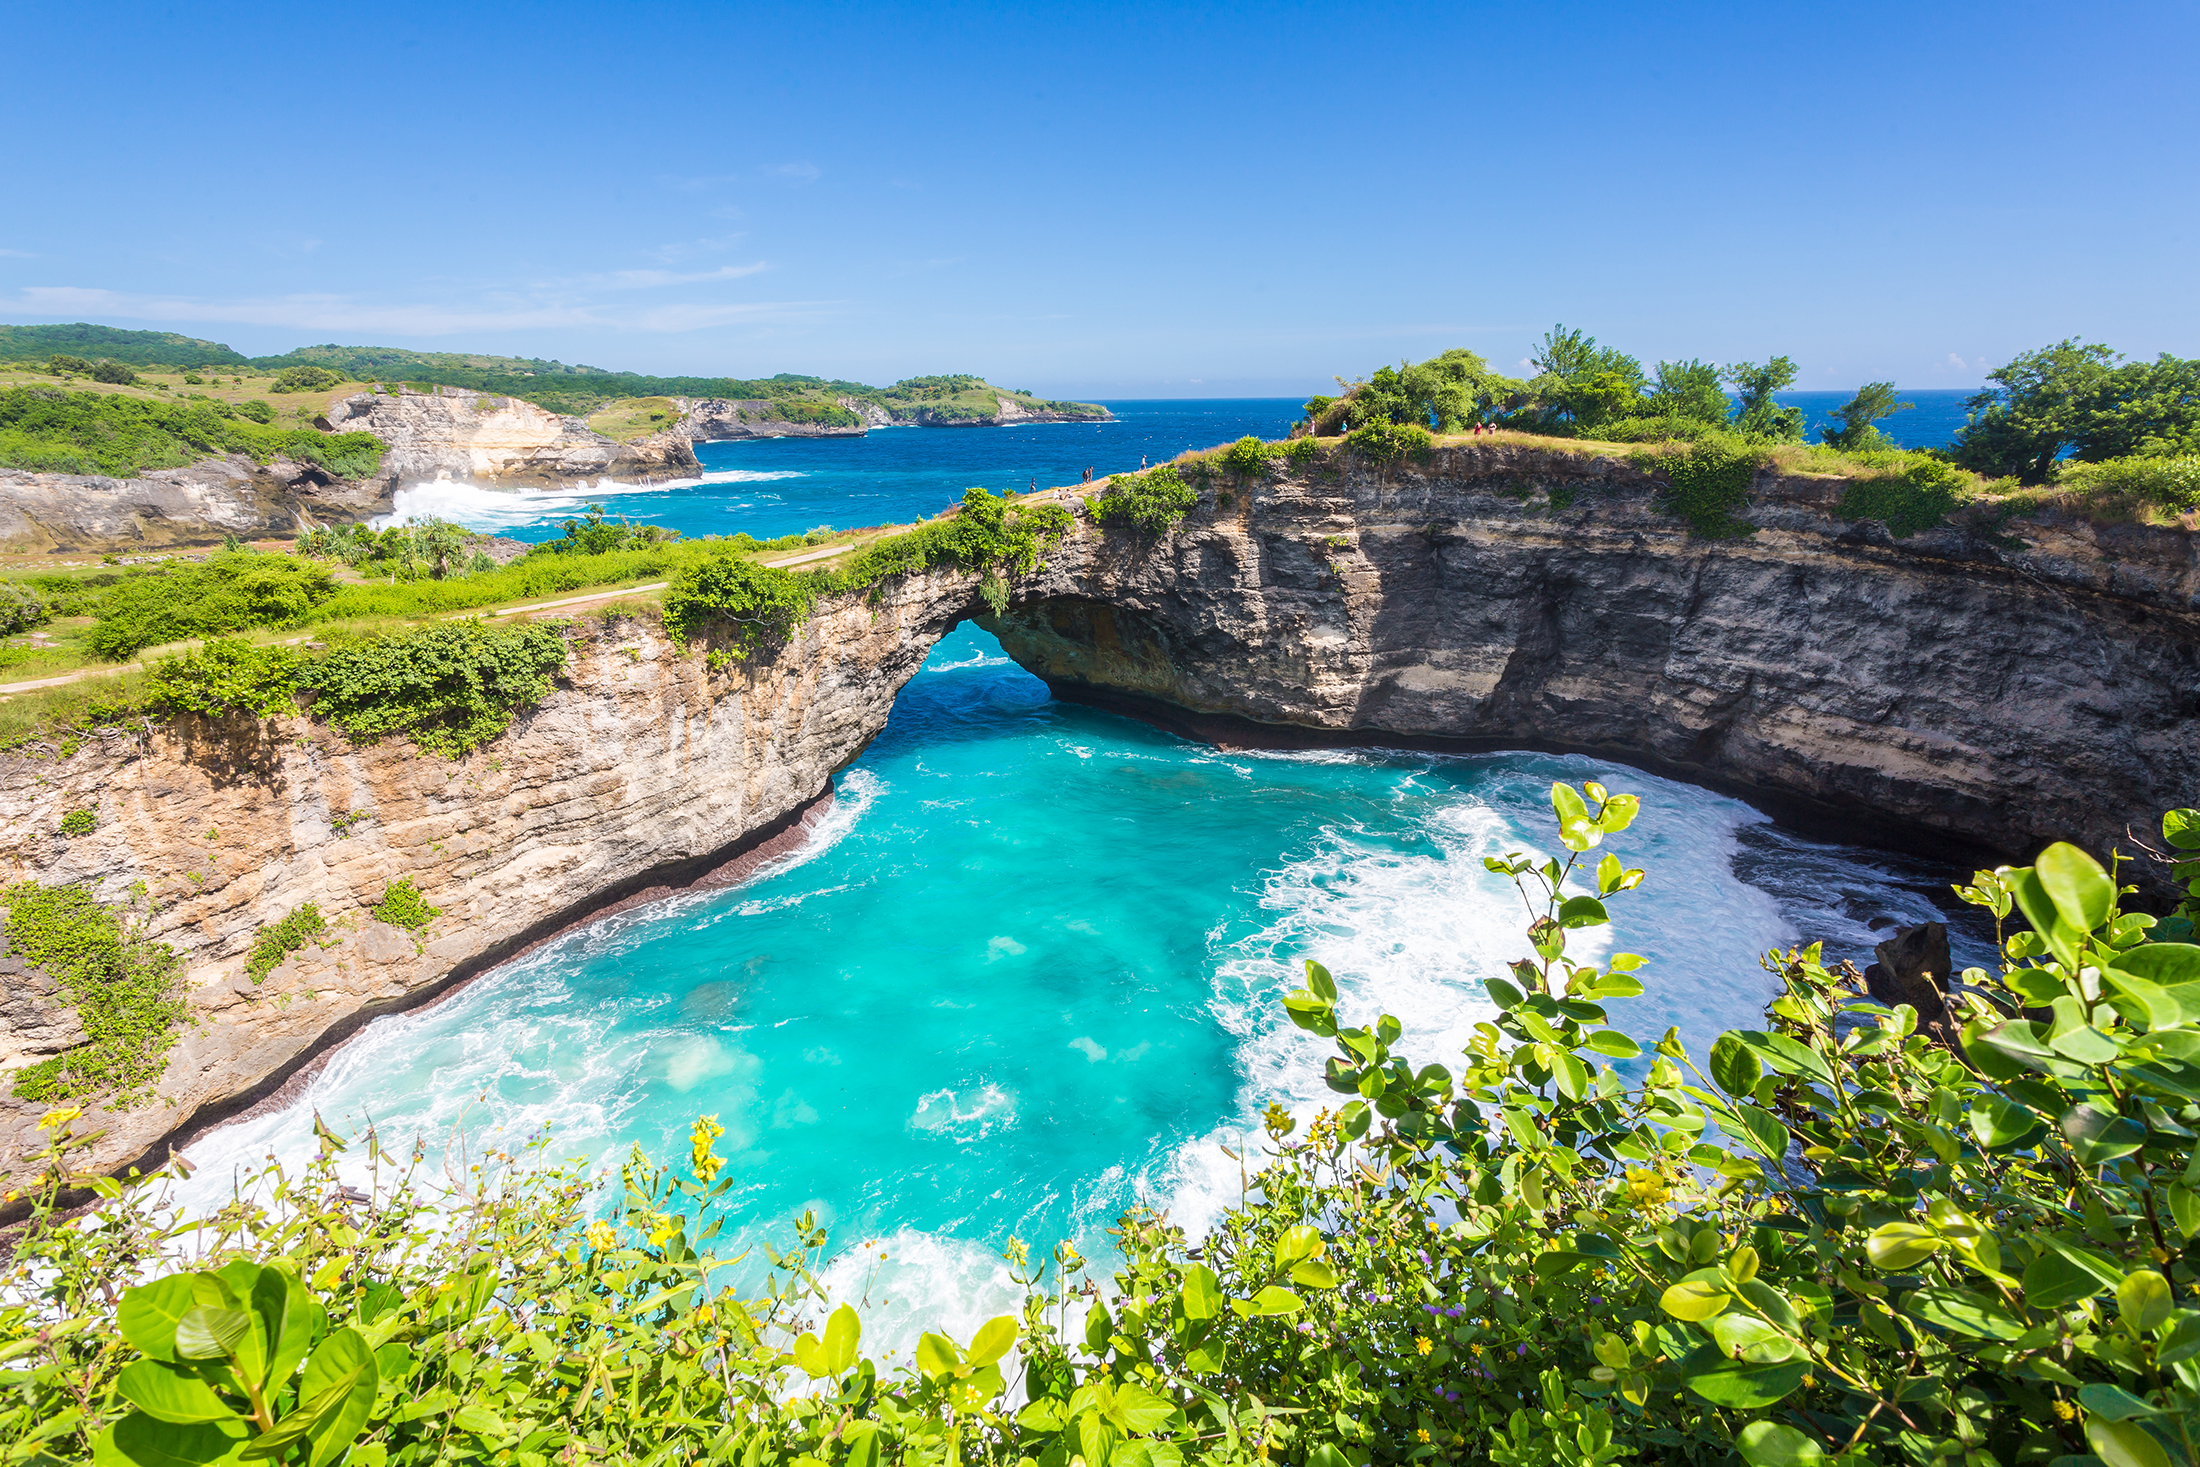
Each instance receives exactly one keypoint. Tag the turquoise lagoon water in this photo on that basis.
(1027, 973)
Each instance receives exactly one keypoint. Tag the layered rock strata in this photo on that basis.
(230, 495)
(1995, 689)
(644, 771)
(453, 433)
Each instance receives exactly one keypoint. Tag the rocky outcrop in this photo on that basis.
(453, 433)
(1991, 689)
(644, 772)
(197, 505)
(718, 419)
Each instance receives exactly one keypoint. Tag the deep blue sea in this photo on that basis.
(1028, 972)
(784, 486)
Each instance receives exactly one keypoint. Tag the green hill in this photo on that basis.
(135, 348)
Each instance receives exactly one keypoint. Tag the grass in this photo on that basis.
(240, 385)
(635, 417)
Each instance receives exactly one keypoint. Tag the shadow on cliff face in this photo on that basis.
(235, 749)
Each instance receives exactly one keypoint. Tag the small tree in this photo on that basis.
(1756, 415)
(1855, 425)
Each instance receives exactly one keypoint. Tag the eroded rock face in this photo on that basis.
(453, 433)
(718, 418)
(230, 495)
(1943, 691)
(646, 770)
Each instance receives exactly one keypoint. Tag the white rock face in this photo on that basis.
(450, 432)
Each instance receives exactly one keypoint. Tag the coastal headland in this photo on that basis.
(1491, 593)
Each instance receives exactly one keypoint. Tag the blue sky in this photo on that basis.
(1122, 201)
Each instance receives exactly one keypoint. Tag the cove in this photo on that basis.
(1027, 974)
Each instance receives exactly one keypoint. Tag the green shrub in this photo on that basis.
(1247, 458)
(448, 688)
(1919, 498)
(229, 592)
(1707, 483)
(1152, 501)
(258, 409)
(124, 985)
(227, 675)
(762, 604)
(305, 378)
(114, 372)
(49, 429)
(20, 608)
(402, 905)
(2171, 482)
(275, 941)
(1389, 443)
(79, 822)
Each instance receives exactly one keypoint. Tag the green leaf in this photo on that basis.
(1762, 1131)
(1897, 1245)
(1784, 1056)
(1619, 813)
(1582, 911)
(1734, 1067)
(2160, 962)
(2113, 1403)
(1694, 1299)
(2182, 1343)
(1296, 1243)
(1571, 1074)
(2124, 1444)
(1613, 1043)
(1749, 1338)
(2143, 1000)
(1202, 1293)
(1963, 1313)
(1576, 831)
(2000, 1124)
(210, 1334)
(937, 1355)
(1138, 1409)
(844, 1332)
(1274, 1300)
(482, 1422)
(1773, 1444)
(989, 1344)
(2097, 1136)
(2081, 891)
(2181, 828)
(149, 1314)
(2143, 1300)
(137, 1440)
(340, 1379)
(1313, 1273)
(292, 1319)
(1318, 980)
(167, 1394)
(1739, 1384)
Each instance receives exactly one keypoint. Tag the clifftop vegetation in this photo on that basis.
(2077, 422)
(53, 430)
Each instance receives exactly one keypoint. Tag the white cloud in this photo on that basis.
(800, 172)
(651, 279)
(17, 255)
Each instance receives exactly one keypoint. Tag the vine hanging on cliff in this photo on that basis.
(122, 984)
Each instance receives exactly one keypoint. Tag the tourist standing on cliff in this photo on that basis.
(1088, 473)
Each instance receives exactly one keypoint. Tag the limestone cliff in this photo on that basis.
(453, 433)
(1956, 688)
(645, 770)
(230, 495)
(717, 418)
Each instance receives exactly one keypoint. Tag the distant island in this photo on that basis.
(597, 394)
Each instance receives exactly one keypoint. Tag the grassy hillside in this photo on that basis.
(136, 348)
(53, 430)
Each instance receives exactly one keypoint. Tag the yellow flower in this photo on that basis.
(1421, 1343)
(601, 1235)
(661, 1229)
(1420, 1434)
(55, 1119)
(708, 1163)
(702, 1314)
(1477, 1349)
